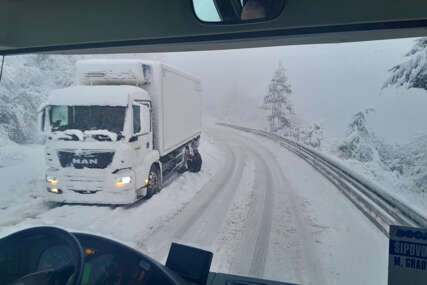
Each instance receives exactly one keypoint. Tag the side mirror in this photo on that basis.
(42, 119)
(145, 119)
(133, 139)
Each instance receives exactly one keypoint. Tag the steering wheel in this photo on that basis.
(58, 276)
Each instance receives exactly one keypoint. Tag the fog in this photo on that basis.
(330, 83)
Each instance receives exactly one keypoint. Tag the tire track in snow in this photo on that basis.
(290, 220)
(250, 257)
(261, 246)
(220, 185)
(232, 229)
(200, 221)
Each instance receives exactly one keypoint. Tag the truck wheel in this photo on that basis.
(153, 182)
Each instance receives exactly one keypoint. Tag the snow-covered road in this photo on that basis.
(261, 210)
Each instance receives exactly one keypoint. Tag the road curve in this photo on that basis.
(287, 229)
(204, 219)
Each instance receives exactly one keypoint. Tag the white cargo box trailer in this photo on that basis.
(109, 136)
(175, 95)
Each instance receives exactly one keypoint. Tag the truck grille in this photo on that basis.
(98, 160)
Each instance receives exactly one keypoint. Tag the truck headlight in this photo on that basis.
(122, 181)
(52, 180)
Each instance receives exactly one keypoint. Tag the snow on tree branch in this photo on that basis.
(413, 72)
(360, 142)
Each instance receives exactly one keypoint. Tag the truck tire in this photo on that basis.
(154, 182)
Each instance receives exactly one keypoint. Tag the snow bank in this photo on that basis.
(395, 172)
(401, 176)
(22, 174)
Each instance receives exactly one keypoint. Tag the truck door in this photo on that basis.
(142, 138)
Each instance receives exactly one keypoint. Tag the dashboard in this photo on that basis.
(52, 256)
(111, 263)
(55, 257)
(100, 267)
(105, 262)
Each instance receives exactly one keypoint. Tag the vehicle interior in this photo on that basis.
(49, 255)
(51, 27)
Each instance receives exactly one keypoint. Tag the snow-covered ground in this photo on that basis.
(396, 185)
(408, 186)
(21, 176)
(259, 208)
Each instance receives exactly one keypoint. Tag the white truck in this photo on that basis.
(114, 137)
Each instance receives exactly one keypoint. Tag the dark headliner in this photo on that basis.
(100, 26)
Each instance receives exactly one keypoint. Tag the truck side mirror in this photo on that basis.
(42, 120)
(145, 119)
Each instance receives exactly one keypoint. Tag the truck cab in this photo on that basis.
(96, 147)
(100, 146)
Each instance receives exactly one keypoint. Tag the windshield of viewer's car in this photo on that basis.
(287, 163)
(87, 118)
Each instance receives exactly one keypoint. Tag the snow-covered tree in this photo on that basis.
(25, 84)
(359, 142)
(278, 103)
(312, 135)
(413, 72)
(410, 161)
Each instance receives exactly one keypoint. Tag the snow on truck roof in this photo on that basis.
(113, 72)
(95, 95)
(131, 65)
(116, 61)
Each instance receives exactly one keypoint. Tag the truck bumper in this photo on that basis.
(90, 187)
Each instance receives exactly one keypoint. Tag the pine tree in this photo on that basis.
(277, 101)
(413, 72)
(360, 141)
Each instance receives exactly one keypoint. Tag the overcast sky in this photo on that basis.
(330, 82)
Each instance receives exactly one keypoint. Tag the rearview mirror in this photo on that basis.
(237, 11)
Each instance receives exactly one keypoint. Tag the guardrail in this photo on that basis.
(375, 203)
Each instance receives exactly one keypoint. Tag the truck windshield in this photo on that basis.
(87, 118)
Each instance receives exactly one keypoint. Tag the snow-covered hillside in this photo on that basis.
(24, 87)
(400, 169)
